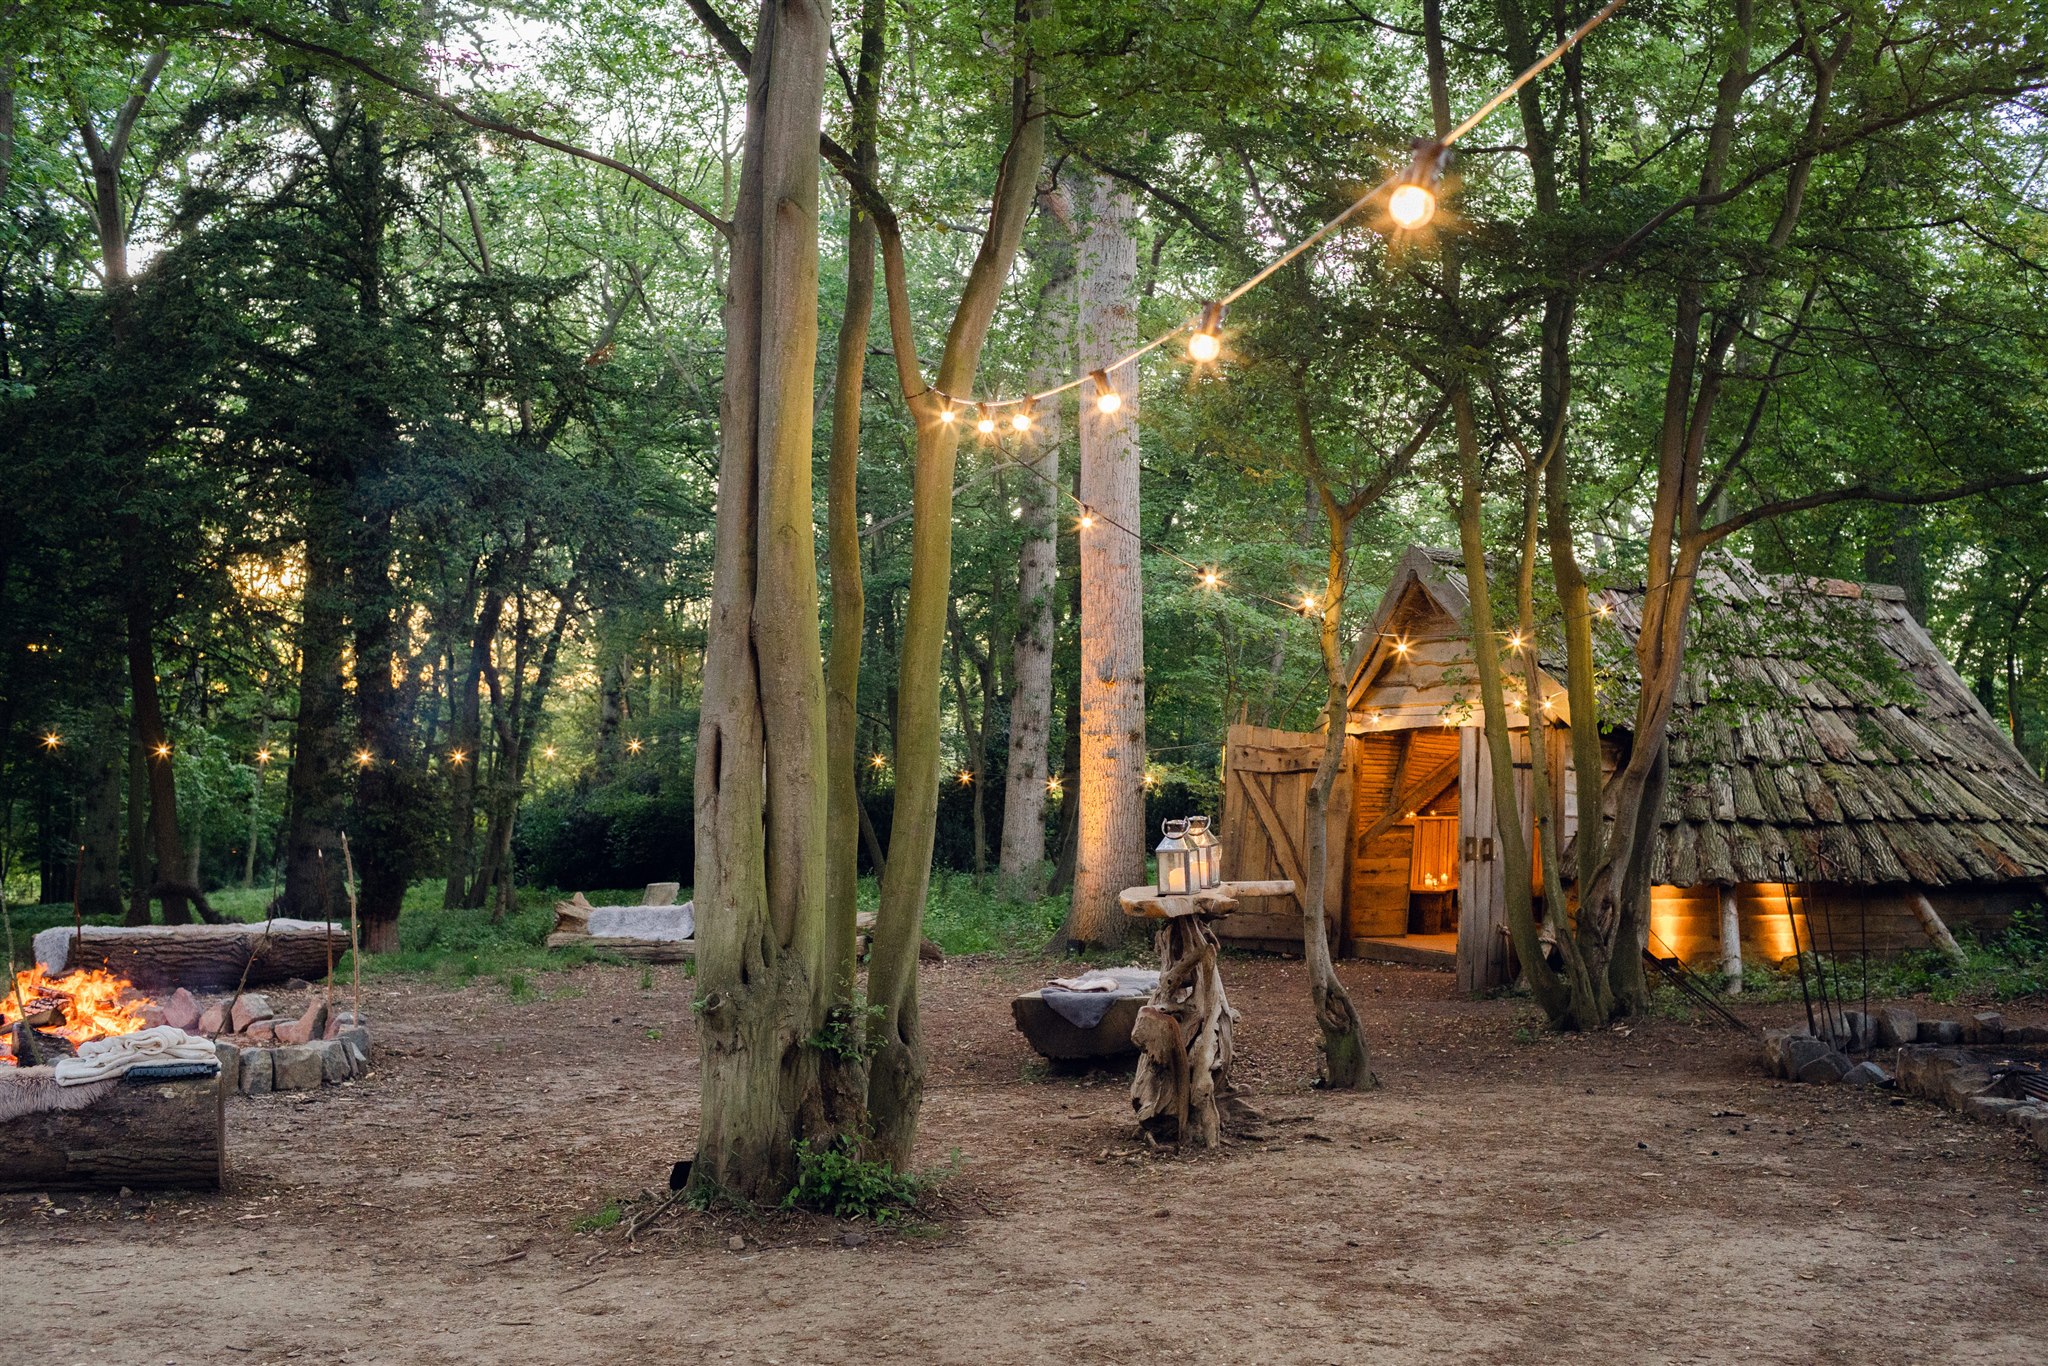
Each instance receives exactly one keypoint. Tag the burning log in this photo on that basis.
(111, 1134)
(201, 957)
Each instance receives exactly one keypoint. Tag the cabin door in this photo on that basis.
(1267, 775)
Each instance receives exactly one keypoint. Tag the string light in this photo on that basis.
(1151, 779)
(966, 777)
(455, 757)
(1372, 718)
(1052, 786)
(985, 424)
(1413, 202)
(364, 758)
(1308, 602)
(1021, 422)
(1086, 520)
(52, 740)
(633, 746)
(1605, 609)
(1211, 580)
(162, 750)
(547, 752)
(1401, 645)
(1515, 642)
(1207, 343)
(879, 762)
(1107, 400)
(946, 413)
(262, 756)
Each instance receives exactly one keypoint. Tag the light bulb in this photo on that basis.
(946, 413)
(1308, 602)
(879, 762)
(1107, 400)
(1411, 206)
(163, 751)
(364, 758)
(1021, 422)
(1211, 579)
(1204, 346)
(262, 756)
(548, 752)
(1087, 520)
(52, 740)
(966, 778)
(986, 423)
(1401, 646)
(1515, 641)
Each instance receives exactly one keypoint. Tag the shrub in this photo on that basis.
(838, 1181)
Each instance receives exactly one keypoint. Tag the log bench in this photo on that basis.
(197, 957)
(141, 1134)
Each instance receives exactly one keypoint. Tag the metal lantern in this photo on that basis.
(1210, 850)
(1179, 862)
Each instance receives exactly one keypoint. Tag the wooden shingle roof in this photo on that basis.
(1820, 735)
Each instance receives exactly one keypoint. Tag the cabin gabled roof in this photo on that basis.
(1819, 735)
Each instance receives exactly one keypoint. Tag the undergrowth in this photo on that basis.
(838, 1181)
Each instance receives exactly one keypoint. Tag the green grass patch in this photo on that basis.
(2009, 966)
(608, 1217)
(838, 1181)
(961, 918)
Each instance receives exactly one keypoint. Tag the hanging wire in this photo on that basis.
(1212, 310)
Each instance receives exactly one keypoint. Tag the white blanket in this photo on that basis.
(104, 1059)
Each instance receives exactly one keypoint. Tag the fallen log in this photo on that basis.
(197, 957)
(634, 950)
(111, 1134)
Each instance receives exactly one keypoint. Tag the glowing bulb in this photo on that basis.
(1087, 520)
(1412, 206)
(1308, 602)
(966, 778)
(1606, 609)
(52, 740)
(262, 756)
(1052, 785)
(1206, 344)
(946, 413)
(1021, 422)
(1151, 780)
(1107, 400)
(364, 758)
(1372, 718)
(985, 424)
(1211, 579)
(455, 756)
(1515, 641)
(634, 746)
(547, 752)
(879, 762)
(162, 750)
(1401, 645)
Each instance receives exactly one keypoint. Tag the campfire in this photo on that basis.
(76, 1007)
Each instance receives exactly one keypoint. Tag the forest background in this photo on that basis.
(360, 448)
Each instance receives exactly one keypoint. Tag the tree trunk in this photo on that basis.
(1021, 863)
(149, 725)
(762, 980)
(1110, 854)
(467, 742)
(99, 836)
(896, 1076)
(1344, 1063)
(138, 827)
(314, 782)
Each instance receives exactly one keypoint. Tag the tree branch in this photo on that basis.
(1867, 493)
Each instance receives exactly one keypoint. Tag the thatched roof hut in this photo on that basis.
(1831, 776)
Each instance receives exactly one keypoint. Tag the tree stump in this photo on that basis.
(139, 1134)
(1183, 1092)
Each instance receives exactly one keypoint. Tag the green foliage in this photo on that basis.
(961, 918)
(2009, 966)
(838, 1181)
(608, 1217)
(849, 1031)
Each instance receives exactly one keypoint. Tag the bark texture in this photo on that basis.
(1111, 835)
(761, 795)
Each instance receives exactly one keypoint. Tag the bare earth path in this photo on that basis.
(1508, 1197)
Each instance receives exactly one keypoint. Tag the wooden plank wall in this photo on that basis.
(1282, 764)
(1839, 921)
(1484, 962)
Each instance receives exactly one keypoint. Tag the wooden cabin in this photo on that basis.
(1833, 784)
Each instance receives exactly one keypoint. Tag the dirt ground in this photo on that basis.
(1508, 1196)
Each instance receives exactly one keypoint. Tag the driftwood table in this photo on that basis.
(1183, 1091)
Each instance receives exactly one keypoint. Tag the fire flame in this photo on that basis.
(88, 1004)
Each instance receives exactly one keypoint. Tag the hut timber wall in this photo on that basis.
(1266, 779)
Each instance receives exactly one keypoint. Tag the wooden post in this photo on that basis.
(1930, 921)
(1731, 942)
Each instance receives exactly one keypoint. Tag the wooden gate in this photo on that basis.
(1267, 775)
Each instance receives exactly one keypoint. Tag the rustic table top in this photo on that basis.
(1149, 903)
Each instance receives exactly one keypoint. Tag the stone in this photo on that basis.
(736, 1243)
(1963, 1083)
(249, 1009)
(1942, 1032)
(257, 1076)
(296, 1067)
(358, 1043)
(1987, 1027)
(2027, 1034)
(308, 1027)
(151, 1016)
(358, 1060)
(1774, 1051)
(334, 1065)
(853, 1237)
(1897, 1026)
(1866, 1074)
(1799, 1050)
(230, 1061)
(1861, 1031)
(1990, 1109)
(260, 1031)
(182, 1011)
(343, 1020)
(2031, 1120)
(1920, 1072)
(1829, 1066)
(213, 1019)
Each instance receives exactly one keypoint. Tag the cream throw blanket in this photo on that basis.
(104, 1059)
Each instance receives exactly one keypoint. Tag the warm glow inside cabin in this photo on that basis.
(1805, 809)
